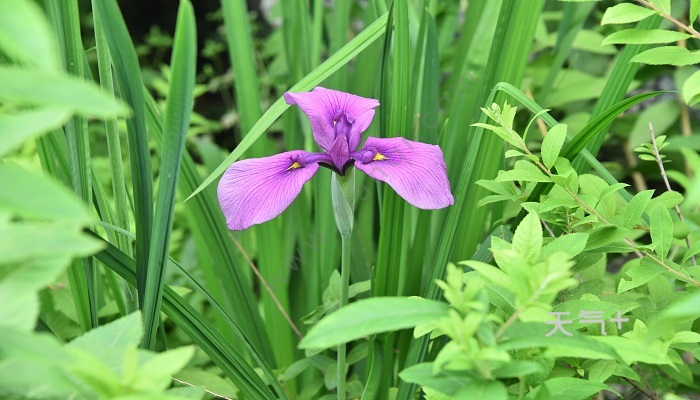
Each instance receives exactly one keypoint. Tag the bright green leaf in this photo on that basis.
(694, 10)
(527, 239)
(30, 195)
(26, 36)
(26, 125)
(370, 316)
(645, 36)
(668, 55)
(661, 226)
(564, 388)
(601, 370)
(551, 145)
(625, 13)
(25, 86)
(524, 171)
(662, 5)
(691, 89)
(641, 272)
(635, 208)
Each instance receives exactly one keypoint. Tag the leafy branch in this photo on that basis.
(667, 16)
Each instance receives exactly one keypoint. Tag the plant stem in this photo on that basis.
(344, 285)
(660, 163)
(676, 22)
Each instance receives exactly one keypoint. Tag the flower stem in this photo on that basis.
(344, 285)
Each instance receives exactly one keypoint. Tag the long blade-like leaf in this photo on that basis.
(177, 120)
(128, 74)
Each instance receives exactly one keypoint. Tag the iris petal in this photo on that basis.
(258, 189)
(416, 171)
(325, 106)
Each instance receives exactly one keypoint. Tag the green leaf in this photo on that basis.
(523, 171)
(662, 5)
(668, 55)
(661, 226)
(625, 13)
(635, 208)
(33, 256)
(27, 125)
(25, 35)
(35, 87)
(120, 334)
(636, 350)
(564, 388)
(156, 373)
(423, 374)
(528, 335)
(503, 133)
(527, 239)
(694, 10)
(551, 145)
(371, 316)
(685, 337)
(483, 390)
(691, 89)
(571, 244)
(176, 122)
(30, 195)
(645, 36)
(667, 199)
(601, 370)
(514, 369)
(642, 271)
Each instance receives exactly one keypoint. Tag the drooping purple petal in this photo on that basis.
(415, 170)
(258, 189)
(332, 112)
(339, 152)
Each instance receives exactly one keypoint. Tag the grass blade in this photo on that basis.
(128, 73)
(65, 19)
(177, 120)
(114, 150)
(227, 281)
(202, 333)
(509, 52)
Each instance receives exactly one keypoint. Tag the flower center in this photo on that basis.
(342, 123)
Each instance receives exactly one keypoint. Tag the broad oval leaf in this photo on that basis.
(551, 145)
(371, 316)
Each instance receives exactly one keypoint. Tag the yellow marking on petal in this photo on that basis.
(294, 166)
(379, 157)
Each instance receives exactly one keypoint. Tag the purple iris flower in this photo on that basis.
(256, 190)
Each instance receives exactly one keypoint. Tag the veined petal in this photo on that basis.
(416, 171)
(258, 189)
(339, 152)
(325, 106)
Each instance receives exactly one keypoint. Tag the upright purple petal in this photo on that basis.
(326, 109)
(415, 170)
(258, 189)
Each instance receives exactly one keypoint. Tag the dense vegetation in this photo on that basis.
(564, 268)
